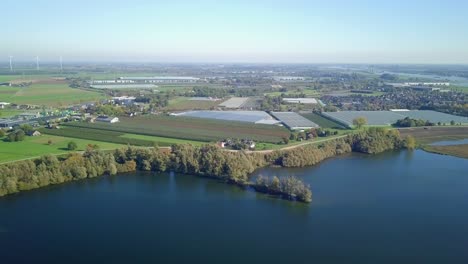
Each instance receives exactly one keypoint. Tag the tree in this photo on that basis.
(2, 133)
(410, 142)
(359, 122)
(452, 123)
(275, 184)
(27, 128)
(72, 145)
(15, 136)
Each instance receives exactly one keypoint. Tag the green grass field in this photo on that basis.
(198, 129)
(25, 78)
(307, 92)
(54, 94)
(322, 121)
(37, 146)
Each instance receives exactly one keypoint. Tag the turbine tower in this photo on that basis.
(11, 65)
(61, 64)
(37, 62)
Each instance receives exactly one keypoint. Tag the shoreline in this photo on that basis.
(207, 161)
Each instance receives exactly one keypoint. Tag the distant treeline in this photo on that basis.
(208, 160)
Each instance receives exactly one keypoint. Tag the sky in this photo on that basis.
(260, 31)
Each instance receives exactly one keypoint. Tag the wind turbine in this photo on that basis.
(11, 65)
(37, 62)
(61, 64)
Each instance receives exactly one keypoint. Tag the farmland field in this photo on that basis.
(6, 113)
(322, 121)
(191, 128)
(51, 94)
(184, 103)
(112, 136)
(37, 146)
(294, 93)
(433, 134)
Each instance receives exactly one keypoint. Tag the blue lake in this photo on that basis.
(396, 207)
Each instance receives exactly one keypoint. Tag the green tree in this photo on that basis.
(275, 184)
(72, 145)
(359, 122)
(27, 128)
(2, 133)
(410, 142)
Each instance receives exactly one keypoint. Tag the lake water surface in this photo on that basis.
(396, 207)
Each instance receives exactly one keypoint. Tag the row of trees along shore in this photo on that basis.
(208, 161)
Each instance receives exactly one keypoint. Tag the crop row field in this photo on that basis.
(114, 137)
(188, 128)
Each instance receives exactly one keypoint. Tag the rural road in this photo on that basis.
(288, 147)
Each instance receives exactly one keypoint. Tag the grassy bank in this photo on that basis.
(460, 151)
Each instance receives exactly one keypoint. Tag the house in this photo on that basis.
(34, 133)
(221, 144)
(107, 119)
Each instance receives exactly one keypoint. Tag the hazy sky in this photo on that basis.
(367, 31)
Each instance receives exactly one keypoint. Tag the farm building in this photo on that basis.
(107, 119)
(34, 133)
(124, 86)
(288, 78)
(10, 123)
(257, 117)
(300, 100)
(294, 121)
(132, 80)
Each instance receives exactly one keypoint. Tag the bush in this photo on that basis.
(72, 145)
